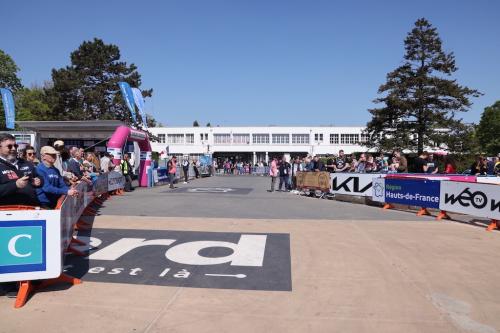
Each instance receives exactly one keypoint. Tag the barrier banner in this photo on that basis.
(100, 185)
(313, 180)
(29, 243)
(412, 192)
(162, 174)
(359, 184)
(378, 189)
(489, 180)
(115, 181)
(71, 210)
(474, 199)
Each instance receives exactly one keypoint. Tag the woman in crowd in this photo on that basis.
(450, 166)
(30, 155)
(479, 167)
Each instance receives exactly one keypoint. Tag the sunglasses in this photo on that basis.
(30, 154)
(10, 147)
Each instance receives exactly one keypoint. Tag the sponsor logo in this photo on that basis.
(185, 258)
(23, 246)
(345, 185)
(467, 198)
(378, 190)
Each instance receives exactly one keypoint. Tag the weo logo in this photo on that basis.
(345, 185)
(466, 198)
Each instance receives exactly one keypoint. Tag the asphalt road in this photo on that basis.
(240, 197)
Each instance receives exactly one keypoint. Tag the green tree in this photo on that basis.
(488, 130)
(88, 88)
(195, 123)
(8, 79)
(420, 97)
(32, 104)
(209, 125)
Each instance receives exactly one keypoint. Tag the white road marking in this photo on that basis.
(239, 276)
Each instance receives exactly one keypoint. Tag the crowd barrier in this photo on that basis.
(37, 240)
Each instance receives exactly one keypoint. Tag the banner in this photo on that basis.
(128, 97)
(139, 102)
(313, 180)
(359, 184)
(100, 185)
(8, 105)
(115, 181)
(412, 192)
(458, 178)
(474, 199)
(489, 180)
(30, 245)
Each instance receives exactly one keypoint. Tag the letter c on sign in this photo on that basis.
(12, 246)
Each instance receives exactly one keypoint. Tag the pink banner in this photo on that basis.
(457, 178)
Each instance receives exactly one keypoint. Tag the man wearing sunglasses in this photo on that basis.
(17, 176)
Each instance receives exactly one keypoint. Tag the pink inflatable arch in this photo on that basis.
(117, 142)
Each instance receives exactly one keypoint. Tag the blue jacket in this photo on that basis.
(53, 185)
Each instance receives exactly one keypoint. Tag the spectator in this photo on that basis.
(74, 164)
(284, 171)
(172, 170)
(450, 166)
(497, 165)
(18, 177)
(479, 167)
(318, 165)
(196, 166)
(490, 166)
(59, 147)
(29, 155)
(53, 183)
(432, 166)
(330, 166)
(421, 163)
(370, 165)
(106, 162)
(126, 170)
(185, 169)
(296, 167)
(361, 165)
(341, 164)
(399, 162)
(273, 172)
(382, 163)
(353, 163)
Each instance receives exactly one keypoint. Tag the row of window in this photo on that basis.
(225, 138)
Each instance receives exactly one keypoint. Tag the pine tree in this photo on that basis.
(420, 99)
(88, 88)
(195, 123)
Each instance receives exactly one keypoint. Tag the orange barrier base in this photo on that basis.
(493, 225)
(423, 211)
(26, 287)
(388, 206)
(442, 215)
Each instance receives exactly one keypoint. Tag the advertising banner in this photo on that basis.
(359, 184)
(30, 245)
(378, 189)
(474, 199)
(8, 105)
(128, 97)
(313, 180)
(115, 181)
(412, 192)
(162, 174)
(489, 180)
(458, 178)
(139, 102)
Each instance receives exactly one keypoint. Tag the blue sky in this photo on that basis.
(257, 62)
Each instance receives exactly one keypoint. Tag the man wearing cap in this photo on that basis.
(59, 147)
(17, 176)
(53, 183)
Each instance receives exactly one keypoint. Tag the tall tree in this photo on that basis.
(8, 79)
(88, 88)
(195, 123)
(488, 130)
(421, 100)
(209, 125)
(33, 104)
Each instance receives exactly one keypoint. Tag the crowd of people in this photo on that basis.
(31, 180)
(370, 163)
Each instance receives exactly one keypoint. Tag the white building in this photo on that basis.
(256, 144)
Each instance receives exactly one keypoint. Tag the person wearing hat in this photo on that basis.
(18, 178)
(53, 183)
(59, 147)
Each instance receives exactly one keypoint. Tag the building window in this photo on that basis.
(161, 138)
(349, 139)
(201, 136)
(241, 138)
(318, 137)
(365, 138)
(300, 139)
(334, 139)
(281, 139)
(222, 139)
(23, 138)
(206, 136)
(189, 138)
(175, 138)
(260, 138)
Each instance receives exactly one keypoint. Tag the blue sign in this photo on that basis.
(139, 102)
(413, 192)
(162, 174)
(8, 105)
(128, 97)
(23, 247)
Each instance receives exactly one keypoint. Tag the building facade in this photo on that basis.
(255, 144)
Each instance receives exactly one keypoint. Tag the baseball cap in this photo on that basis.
(48, 150)
(59, 143)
